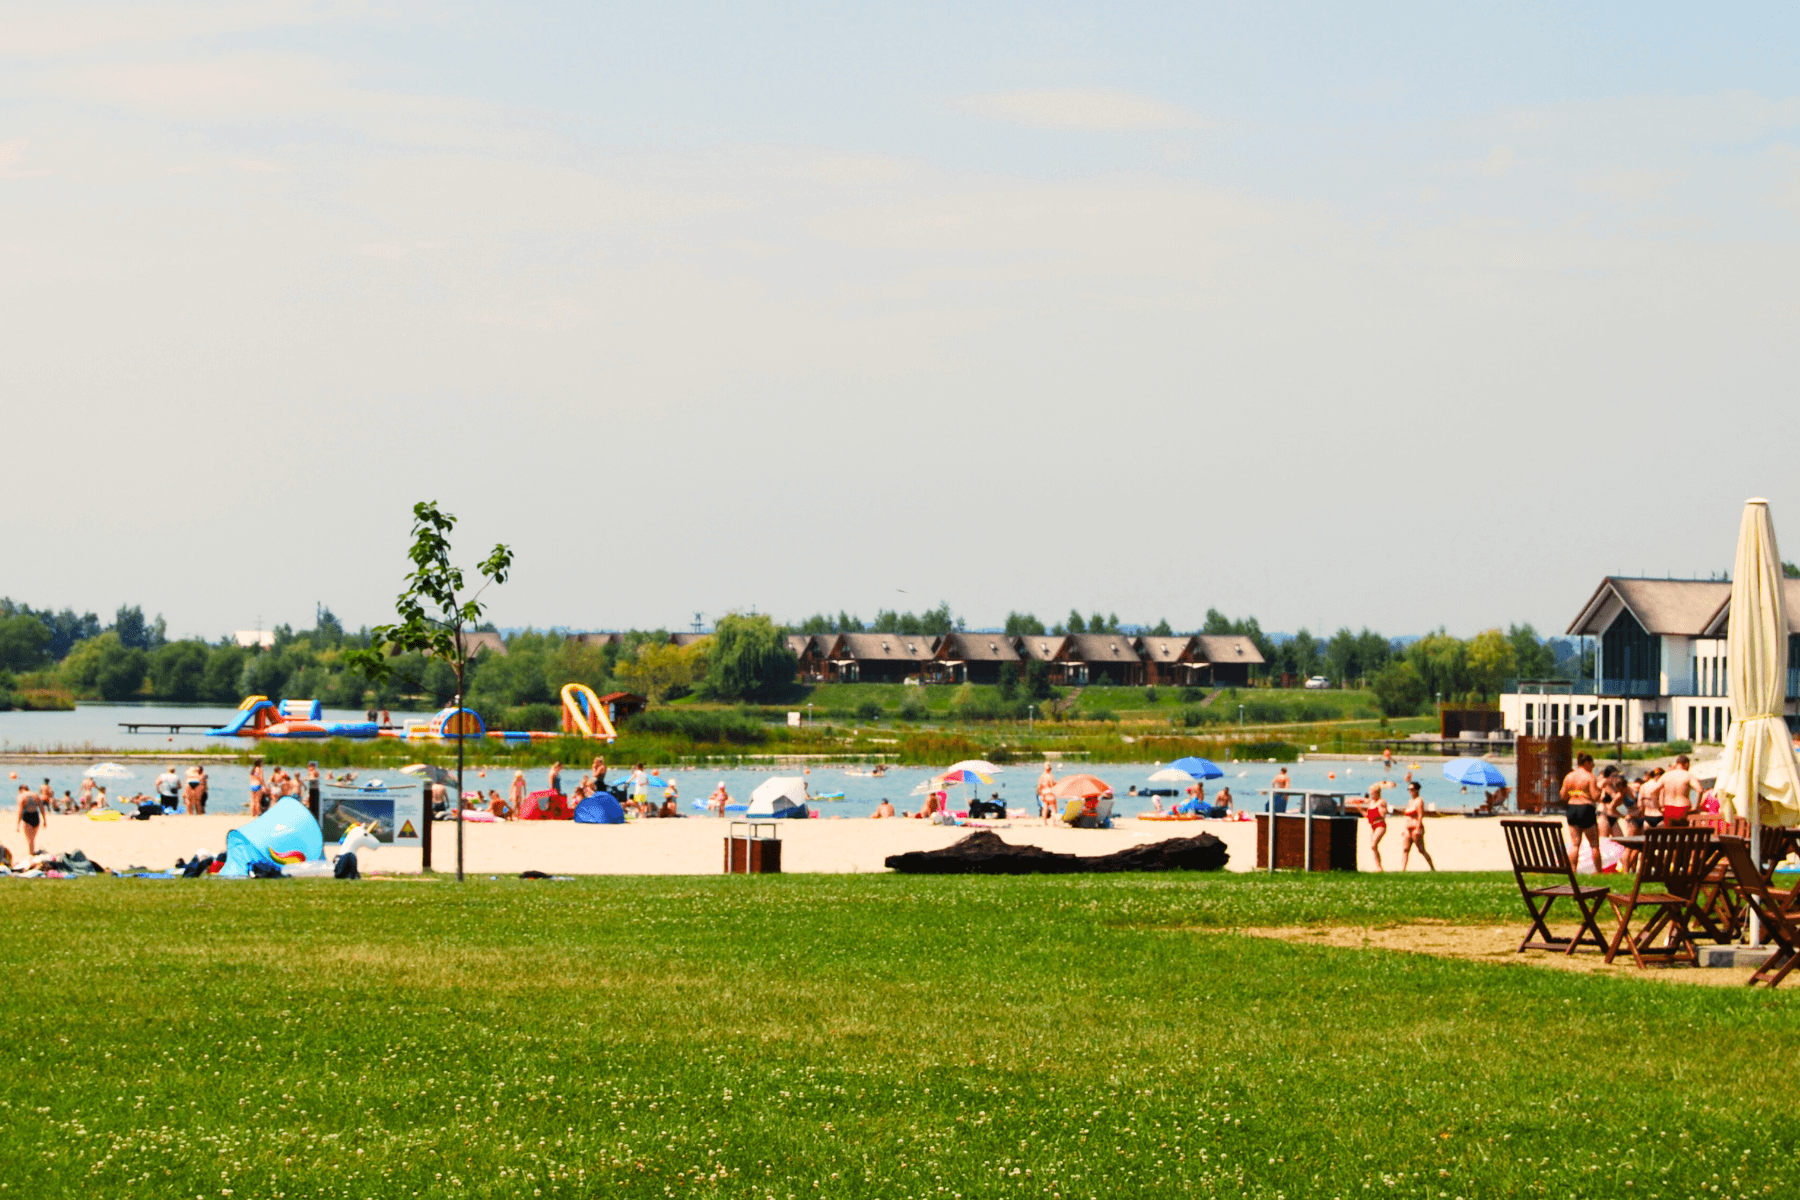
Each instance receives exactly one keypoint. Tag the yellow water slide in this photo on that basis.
(583, 714)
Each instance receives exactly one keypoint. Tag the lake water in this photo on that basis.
(93, 726)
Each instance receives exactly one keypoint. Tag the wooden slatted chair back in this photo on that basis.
(1536, 847)
(1674, 860)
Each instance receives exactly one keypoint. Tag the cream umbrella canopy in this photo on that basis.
(1759, 777)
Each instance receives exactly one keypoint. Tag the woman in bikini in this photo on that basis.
(31, 817)
(1377, 813)
(256, 788)
(1414, 833)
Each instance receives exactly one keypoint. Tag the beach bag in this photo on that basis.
(197, 868)
(265, 870)
(345, 867)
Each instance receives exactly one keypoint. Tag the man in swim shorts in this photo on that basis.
(1678, 789)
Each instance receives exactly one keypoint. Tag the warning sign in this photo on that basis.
(407, 830)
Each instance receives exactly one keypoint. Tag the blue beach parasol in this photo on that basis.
(1473, 772)
(1199, 768)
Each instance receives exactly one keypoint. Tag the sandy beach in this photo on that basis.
(694, 846)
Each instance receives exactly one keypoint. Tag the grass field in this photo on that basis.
(839, 1036)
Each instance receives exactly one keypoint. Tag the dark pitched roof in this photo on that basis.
(1226, 648)
(484, 643)
(1678, 607)
(1166, 649)
(886, 647)
(977, 647)
(1042, 646)
(686, 639)
(1102, 647)
(799, 643)
(595, 639)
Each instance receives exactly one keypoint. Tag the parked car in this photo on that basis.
(1318, 681)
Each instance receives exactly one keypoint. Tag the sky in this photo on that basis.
(1403, 317)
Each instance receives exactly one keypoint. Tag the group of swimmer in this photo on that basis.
(1609, 804)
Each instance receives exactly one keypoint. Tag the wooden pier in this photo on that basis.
(167, 726)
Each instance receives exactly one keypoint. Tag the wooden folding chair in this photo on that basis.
(1780, 926)
(1670, 873)
(1718, 907)
(1537, 848)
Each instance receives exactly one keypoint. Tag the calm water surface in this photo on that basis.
(97, 725)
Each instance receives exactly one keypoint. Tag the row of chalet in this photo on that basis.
(1076, 659)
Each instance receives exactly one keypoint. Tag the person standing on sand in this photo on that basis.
(257, 788)
(86, 794)
(1377, 813)
(597, 776)
(555, 784)
(518, 792)
(716, 803)
(1581, 792)
(1677, 791)
(1046, 793)
(205, 789)
(1414, 833)
(640, 787)
(31, 818)
(1281, 779)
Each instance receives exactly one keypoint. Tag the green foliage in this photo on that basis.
(933, 621)
(1101, 714)
(660, 671)
(1150, 694)
(1279, 751)
(178, 670)
(749, 660)
(869, 710)
(434, 611)
(224, 668)
(545, 717)
(1023, 624)
(134, 632)
(24, 643)
(1162, 629)
(120, 670)
(1398, 689)
(1075, 623)
(1037, 681)
(913, 709)
(701, 725)
(1533, 659)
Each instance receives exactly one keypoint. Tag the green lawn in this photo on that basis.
(835, 1036)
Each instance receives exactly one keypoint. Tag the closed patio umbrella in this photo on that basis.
(1759, 776)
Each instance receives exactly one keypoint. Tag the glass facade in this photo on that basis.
(1631, 659)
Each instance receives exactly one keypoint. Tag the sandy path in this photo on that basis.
(1497, 944)
(695, 846)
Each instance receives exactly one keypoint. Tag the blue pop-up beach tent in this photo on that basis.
(284, 835)
(601, 808)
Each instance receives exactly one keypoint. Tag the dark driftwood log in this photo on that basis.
(984, 852)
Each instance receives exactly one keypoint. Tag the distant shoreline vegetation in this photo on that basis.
(49, 660)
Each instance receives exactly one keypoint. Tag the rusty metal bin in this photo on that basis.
(755, 851)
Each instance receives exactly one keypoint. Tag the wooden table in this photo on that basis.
(1711, 889)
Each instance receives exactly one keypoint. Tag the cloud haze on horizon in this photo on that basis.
(1398, 319)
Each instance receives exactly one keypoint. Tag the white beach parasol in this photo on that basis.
(1759, 759)
(108, 770)
(1759, 776)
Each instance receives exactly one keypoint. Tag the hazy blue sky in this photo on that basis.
(1400, 318)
